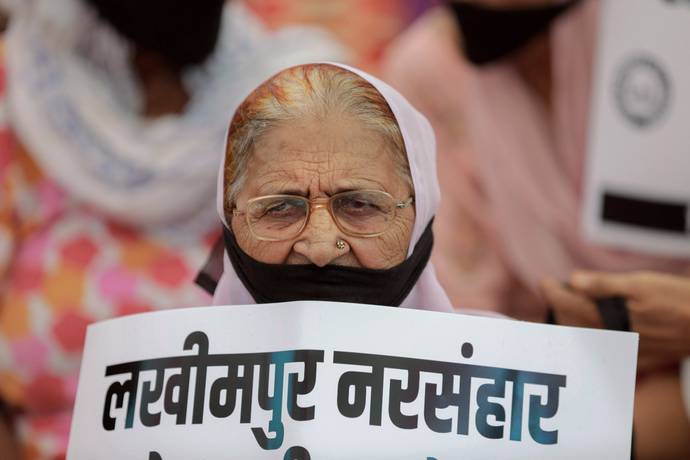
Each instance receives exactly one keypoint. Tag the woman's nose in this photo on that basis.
(318, 241)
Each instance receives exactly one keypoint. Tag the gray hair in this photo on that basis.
(313, 90)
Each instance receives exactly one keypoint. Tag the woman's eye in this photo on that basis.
(283, 210)
(277, 207)
(359, 207)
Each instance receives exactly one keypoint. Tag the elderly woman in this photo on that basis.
(327, 192)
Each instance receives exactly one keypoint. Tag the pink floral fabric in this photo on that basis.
(63, 266)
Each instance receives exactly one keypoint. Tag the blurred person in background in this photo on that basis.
(365, 26)
(506, 84)
(112, 114)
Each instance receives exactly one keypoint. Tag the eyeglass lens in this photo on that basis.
(282, 217)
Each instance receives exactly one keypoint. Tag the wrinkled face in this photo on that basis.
(316, 159)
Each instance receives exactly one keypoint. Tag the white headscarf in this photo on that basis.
(420, 144)
(75, 102)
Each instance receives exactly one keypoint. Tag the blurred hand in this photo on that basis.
(570, 308)
(658, 306)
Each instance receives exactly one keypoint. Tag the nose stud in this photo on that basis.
(340, 244)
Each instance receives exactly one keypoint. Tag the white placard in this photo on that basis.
(638, 174)
(353, 381)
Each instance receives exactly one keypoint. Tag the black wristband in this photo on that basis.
(614, 313)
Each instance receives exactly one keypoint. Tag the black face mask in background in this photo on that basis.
(182, 32)
(268, 283)
(490, 34)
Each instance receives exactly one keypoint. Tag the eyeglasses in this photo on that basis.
(360, 213)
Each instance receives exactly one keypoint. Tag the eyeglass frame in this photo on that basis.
(313, 205)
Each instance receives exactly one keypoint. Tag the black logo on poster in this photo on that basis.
(643, 90)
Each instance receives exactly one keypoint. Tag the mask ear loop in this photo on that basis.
(212, 270)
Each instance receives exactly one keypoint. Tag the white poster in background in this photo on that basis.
(638, 179)
(318, 380)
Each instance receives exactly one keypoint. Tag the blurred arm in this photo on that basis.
(8, 447)
(662, 428)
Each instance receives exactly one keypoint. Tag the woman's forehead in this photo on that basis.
(331, 141)
(335, 151)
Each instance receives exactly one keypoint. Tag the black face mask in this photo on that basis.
(268, 283)
(490, 34)
(183, 32)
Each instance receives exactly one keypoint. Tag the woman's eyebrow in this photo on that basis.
(282, 189)
(351, 185)
(295, 192)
